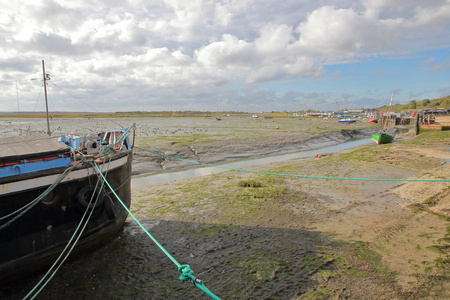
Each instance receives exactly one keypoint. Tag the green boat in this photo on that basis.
(384, 137)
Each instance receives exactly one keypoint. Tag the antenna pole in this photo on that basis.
(46, 102)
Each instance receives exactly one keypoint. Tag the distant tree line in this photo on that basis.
(443, 102)
(413, 105)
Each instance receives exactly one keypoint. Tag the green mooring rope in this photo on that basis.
(23, 210)
(186, 273)
(290, 175)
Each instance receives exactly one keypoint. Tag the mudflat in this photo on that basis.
(270, 234)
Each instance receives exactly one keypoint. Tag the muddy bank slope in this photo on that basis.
(230, 147)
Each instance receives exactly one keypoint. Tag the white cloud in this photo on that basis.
(226, 53)
(111, 45)
(334, 31)
(274, 39)
(435, 15)
(428, 61)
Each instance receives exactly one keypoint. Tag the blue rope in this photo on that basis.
(291, 175)
(186, 273)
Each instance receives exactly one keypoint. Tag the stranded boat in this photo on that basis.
(346, 120)
(52, 196)
(60, 197)
(385, 137)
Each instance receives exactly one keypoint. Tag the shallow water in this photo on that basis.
(144, 180)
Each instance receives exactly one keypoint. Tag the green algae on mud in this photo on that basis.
(222, 204)
(235, 262)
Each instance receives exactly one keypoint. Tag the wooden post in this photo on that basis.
(417, 124)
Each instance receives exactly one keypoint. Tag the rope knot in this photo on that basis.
(187, 274)
(106, 151)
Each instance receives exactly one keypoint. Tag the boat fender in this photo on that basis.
(84, 196)
(109, 208)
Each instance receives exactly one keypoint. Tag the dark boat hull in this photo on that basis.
(34, 241)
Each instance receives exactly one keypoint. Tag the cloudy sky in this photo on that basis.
(240, 55)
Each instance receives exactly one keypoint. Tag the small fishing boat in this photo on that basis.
(385, 137)
(346, 120)
(373, 120)
(60, 197)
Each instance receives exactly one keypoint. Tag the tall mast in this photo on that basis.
(45, 76)
(389, 111)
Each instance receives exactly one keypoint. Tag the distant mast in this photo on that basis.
(389, 111)
(46, 77)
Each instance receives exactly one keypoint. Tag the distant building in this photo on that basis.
(436, 112)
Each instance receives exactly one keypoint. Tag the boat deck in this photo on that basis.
(26, 146)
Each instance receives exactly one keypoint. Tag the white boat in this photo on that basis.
(346, 120)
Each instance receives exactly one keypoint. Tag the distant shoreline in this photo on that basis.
(137, 114)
